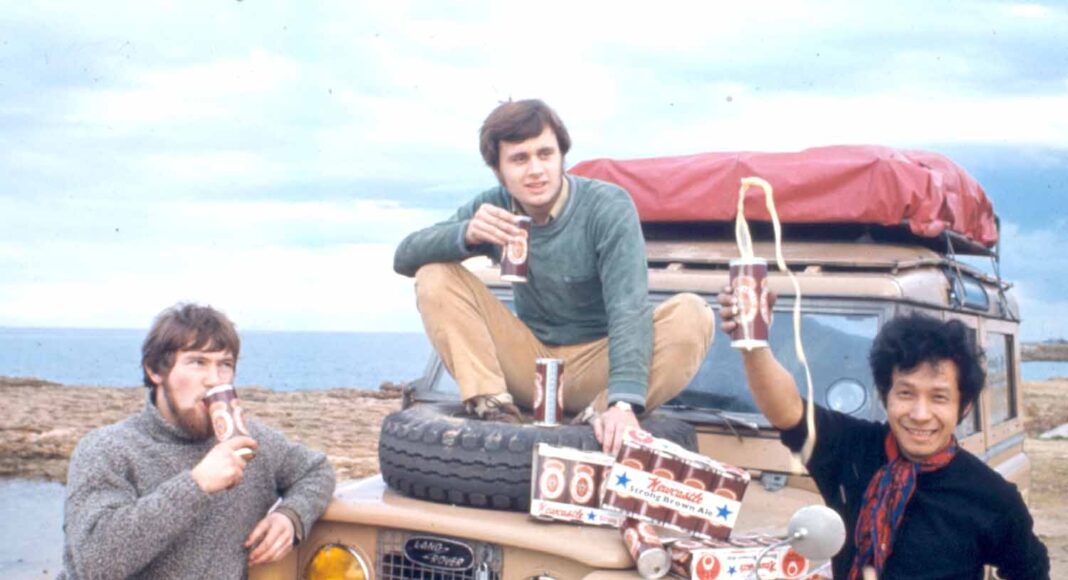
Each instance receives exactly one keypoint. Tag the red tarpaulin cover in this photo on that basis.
(839, 184)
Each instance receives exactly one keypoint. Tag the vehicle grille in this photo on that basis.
(393, 565)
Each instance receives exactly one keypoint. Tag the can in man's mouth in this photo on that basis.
(227, 417)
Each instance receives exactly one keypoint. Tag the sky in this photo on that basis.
(266, 157)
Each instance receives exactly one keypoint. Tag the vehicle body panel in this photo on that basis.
(870, 281)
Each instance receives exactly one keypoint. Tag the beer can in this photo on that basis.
(548, 391)
(698, 476)
(646, 548)
(514, 256)
(227, 416)
(583, 486)
(665, 466)
(749, 278)
(616, 496)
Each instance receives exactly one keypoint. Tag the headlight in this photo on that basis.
(846, 395)
(337, 562)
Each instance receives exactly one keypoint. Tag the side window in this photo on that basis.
(999, 379)
(971, 422)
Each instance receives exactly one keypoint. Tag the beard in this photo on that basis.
(193, 422)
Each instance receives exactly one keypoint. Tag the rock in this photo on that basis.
(1060, 432)
(389, 389)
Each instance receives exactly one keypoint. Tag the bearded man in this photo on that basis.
(155, 496)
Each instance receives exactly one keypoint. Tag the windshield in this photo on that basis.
(835, 344)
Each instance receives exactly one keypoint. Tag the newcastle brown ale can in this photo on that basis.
(664, 467)
(697, 476)
(749, 278)
(583, 485)
(227, 416)
(616, 496)
(731, 485)
(514, 256)
(552, 480)
(682, 556)
(645, 547)
(548, 391)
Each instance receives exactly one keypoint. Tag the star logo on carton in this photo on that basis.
(723, 512)
(622, 480)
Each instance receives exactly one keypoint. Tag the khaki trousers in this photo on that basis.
(489, 351)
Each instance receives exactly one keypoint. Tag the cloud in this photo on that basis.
(50, 232)
(343, 288)
(1029, 255)
(1028, 10)
(269, 152)
(175, 96)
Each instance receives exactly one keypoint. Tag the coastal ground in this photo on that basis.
(41, 422)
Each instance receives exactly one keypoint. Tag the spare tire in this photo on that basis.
(438, 453)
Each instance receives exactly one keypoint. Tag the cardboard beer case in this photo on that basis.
(736, 558)
(567, 484)
(661, 483)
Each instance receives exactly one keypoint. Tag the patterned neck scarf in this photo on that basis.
(888, 493)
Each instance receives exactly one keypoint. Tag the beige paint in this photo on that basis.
(901, 276)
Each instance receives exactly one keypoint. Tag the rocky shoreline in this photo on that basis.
(1044, 351)
(43, 421)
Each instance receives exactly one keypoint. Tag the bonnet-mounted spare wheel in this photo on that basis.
(438, 453)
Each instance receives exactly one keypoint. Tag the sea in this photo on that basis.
(31, 512)
(283, 361)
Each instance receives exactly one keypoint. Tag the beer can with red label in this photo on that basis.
(514, 256)
(669, 467)
(646, 548)
(583, 485)
(732, 483)
(227, 416)
(552, 481)
(697, 476)
(548, 391)
(749, 278)
(681, 553)
(616, 495)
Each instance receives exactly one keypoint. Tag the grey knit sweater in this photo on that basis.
(134, 511)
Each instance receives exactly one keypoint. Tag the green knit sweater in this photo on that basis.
(587, 275)
(134, 511)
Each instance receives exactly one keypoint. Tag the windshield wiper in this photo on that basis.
(728, 419)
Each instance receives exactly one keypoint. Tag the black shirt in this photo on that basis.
(960, 517)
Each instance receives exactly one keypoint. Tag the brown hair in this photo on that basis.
(186, 327)
(516, 121)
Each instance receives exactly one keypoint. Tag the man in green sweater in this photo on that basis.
(154, 496)
(585, 299)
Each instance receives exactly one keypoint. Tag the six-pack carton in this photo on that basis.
(659, 482)
(737, 558)
(567, 485)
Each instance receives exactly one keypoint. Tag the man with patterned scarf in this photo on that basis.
(916, 504)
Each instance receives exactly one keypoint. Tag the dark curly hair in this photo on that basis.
(516, 121)
(907, 341)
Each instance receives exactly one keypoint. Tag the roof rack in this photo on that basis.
(949, 243)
